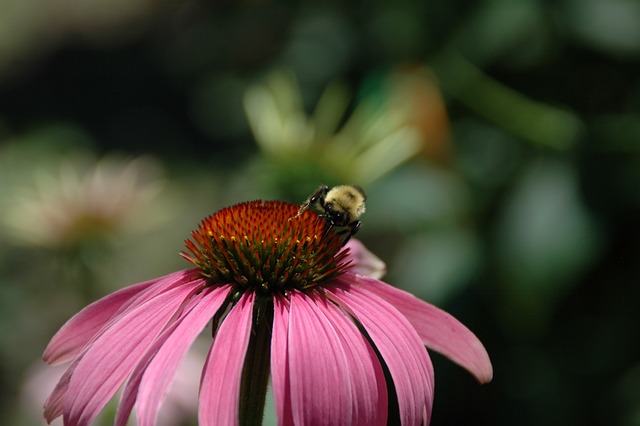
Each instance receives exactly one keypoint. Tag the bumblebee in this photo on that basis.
(343, 205)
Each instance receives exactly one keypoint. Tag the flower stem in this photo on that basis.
(255, 374)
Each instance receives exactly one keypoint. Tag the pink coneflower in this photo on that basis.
(286, 299)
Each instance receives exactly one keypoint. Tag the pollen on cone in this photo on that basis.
(266, 245)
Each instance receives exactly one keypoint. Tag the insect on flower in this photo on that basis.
(343, 205)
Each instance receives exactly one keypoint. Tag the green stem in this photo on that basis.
(534, 121)
(255, 374)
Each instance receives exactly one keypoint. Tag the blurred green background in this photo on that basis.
(498, 141)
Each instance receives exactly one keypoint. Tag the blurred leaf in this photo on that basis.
(414, 196)
(436, 265)
(216, 106)
(321, 45)
(396, 31)
(611, 26)
(487, 156)
(542, 124)
(503, 27)
(612, 165)
(626, 397)
(618, 133)
(545, 239)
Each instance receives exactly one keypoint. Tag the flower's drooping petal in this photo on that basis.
(160, 286)
(280, 361)
(55, 402)
(368, 385)
(85, 325)
(221, 377)
(438, 330)
(319, 375)
(130, 391)
(111, 357)
(160, 373)
(77, 332)
(364, 262)
(152, 377)
(53, 406)
(400, 347)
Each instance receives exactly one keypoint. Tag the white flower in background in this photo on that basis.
(83, 202)
(377, 137)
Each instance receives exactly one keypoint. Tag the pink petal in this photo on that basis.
(368, 384)
(438, 330)
(364, 262)
(318, 369)
(280, 362)
(400, 347)
(77, 332)
(82, 327)
(114, 354)
(220, 387)
(163, 284)
(53, 406)
(130, 391)
(156, 370)
(161, 371)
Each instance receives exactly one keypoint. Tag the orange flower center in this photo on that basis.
(265, 246)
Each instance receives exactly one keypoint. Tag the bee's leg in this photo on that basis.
(354, 227)
(350, 231)
(318, 195)
(328, 225)
(302, 208)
